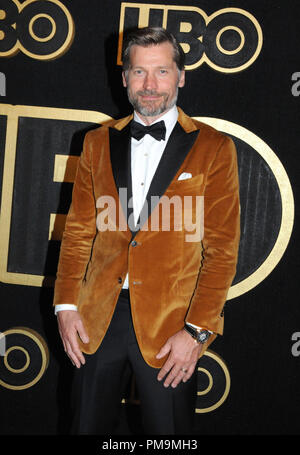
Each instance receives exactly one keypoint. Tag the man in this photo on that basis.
(177, 284)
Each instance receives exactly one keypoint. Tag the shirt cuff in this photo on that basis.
(64, 306)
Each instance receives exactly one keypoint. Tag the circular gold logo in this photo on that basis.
(41, 29)
(267, 207)
(25, 359)
(213, 382)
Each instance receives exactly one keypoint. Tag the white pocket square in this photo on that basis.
(184, 176)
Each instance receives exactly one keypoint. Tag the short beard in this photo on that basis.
(151, 111)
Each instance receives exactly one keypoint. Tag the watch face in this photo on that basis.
(203, 336)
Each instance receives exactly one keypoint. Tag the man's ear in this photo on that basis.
(181, 79)
(124, 79)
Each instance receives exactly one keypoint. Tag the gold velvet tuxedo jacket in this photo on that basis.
(171, 280)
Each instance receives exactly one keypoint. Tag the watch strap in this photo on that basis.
(199, 335)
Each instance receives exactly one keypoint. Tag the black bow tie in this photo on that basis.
(157, 130)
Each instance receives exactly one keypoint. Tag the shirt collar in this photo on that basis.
(170, 119)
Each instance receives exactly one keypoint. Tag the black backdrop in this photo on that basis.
(262, 324)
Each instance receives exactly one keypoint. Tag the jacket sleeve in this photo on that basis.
(79, 233)
(220, 240)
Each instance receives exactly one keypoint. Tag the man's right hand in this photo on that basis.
(69, 325)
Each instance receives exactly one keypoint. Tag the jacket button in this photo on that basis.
(133, 243)
(120, 279)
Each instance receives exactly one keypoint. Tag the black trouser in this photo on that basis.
(100, 383)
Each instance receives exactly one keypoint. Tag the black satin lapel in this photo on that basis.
(177, 148)
(120, 156)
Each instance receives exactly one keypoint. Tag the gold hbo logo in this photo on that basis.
(41, 29)
(24, 359)
(229, 40)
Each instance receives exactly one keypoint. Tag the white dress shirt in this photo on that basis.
(145, 156)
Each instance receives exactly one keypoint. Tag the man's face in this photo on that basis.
(152, 80)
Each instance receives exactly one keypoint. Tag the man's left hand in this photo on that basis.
(184, 353)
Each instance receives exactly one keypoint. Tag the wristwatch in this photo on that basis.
(200, 335)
